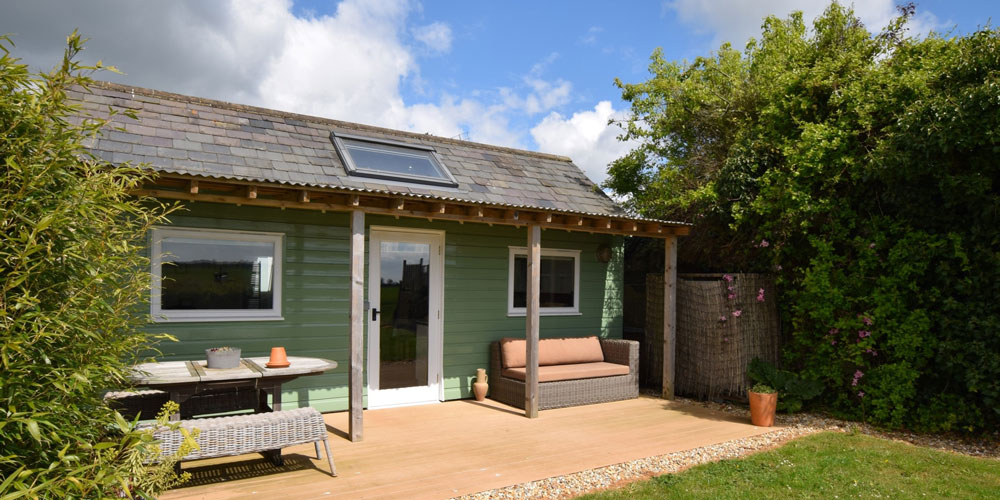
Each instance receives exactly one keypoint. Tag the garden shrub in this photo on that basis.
(792, 390)
(868, 163)
(71, 284)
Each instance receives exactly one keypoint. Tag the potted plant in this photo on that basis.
(763, 402)
(223, 357)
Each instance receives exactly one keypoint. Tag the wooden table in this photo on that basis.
(184, 379)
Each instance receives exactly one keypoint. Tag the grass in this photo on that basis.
(827, 465)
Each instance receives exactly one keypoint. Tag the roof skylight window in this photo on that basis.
(384, 159)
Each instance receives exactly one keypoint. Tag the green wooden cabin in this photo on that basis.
(292, 221)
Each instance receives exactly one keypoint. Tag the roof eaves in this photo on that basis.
(453, 199)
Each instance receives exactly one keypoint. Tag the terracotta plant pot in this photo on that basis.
(762, 407)
(278, 358)
(480, 387)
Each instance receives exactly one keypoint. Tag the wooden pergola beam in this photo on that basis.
(602, 224)
(268, 195)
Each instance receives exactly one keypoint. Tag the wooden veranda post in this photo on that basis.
(531, 321)
(669, 314)
(356, 374)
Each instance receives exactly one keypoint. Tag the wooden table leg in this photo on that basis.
(262, 401)
(276, 397)
(273, 455)
(175, 396)
(275, 391)
(179, 396)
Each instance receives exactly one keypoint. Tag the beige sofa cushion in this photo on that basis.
(512, 353)
(570, 351)
(563, 351)
(553, 373)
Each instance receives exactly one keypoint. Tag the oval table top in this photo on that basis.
(187, 372)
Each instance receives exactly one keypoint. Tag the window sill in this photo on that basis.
(214, 319)
(521, 314)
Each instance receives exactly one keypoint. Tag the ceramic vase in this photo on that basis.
(479, 387)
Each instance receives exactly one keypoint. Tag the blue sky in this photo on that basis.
(533, 75)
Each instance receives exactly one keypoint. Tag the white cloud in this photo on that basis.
(345, 65)
(736, 21)
(436, 36)
(590, 38)
(586, 137)
(349, 65)
(544, 95)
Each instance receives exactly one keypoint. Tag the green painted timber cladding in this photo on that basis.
(316, 276)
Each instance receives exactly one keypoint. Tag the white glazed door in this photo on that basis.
(405, 291)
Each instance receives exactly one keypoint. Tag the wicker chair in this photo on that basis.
(565, 393)
(259, 432)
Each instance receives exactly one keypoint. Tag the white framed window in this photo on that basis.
(559, 292)
(215, 275)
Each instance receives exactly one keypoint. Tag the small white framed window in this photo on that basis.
(559, 292)
(215, 275)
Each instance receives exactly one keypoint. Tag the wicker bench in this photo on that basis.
(573, 391)
(266, 433)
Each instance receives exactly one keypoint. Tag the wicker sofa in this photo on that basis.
(572, 371)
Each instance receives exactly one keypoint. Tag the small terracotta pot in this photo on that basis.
(278, 358)
(762, 407)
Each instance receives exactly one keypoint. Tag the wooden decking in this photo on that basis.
(460, 447)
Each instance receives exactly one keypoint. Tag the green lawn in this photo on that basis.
(828, 465)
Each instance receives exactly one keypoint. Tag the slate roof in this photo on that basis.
(194, 136)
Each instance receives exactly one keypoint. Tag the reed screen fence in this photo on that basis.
(717, 335)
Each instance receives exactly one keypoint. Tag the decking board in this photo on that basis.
(460, 447)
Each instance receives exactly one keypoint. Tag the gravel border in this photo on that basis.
(791, 426)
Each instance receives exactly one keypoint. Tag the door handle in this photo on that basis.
(374, 313)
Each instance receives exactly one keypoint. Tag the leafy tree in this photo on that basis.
(861, 169)
(72, 279)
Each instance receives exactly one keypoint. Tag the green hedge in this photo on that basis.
(863, 171)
